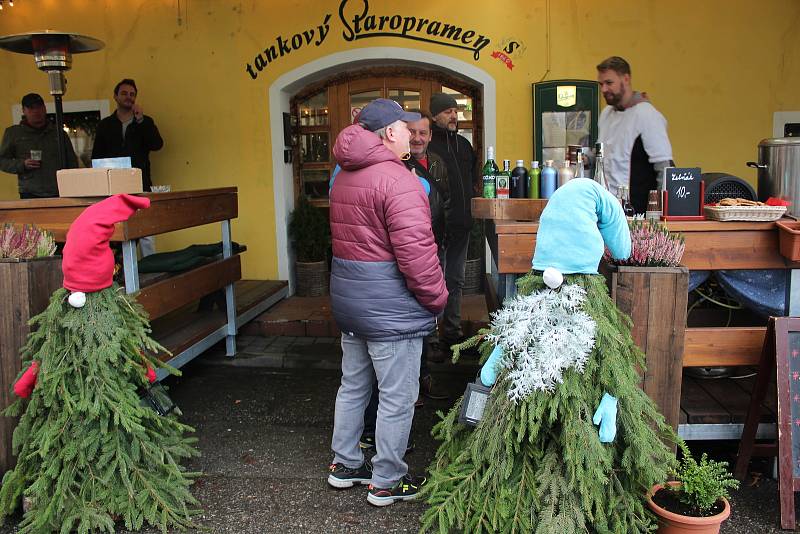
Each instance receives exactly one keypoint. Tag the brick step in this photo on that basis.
(311, 317)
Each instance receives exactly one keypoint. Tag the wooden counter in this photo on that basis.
(710, 245)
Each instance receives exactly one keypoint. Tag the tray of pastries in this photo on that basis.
(741, 209)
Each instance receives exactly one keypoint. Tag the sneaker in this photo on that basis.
(344, 477)
(427, 387)
(367, 442)
(406, 489)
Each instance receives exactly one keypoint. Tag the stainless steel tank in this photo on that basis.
(779, 170)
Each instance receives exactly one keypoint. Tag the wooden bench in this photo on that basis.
(167, 212)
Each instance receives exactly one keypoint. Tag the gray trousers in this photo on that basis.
(396, 366)
(454, 262)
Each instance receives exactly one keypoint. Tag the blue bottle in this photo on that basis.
(549, 179)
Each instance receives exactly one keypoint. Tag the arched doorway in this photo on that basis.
(322, 109)
(293, 82)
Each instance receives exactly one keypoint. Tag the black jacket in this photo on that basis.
(436, 175)
(140, 139)
(460, 161)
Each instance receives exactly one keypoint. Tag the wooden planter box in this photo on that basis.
(655, 298)
(25, 287)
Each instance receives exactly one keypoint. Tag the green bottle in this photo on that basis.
(490, 171)
(533, 180)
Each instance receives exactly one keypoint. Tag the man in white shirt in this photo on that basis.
(636, 147)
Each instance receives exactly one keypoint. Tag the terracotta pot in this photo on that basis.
(671, 523)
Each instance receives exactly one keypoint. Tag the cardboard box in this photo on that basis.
(98, 182)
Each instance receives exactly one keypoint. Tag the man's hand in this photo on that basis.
(31, 164)
(138, 112)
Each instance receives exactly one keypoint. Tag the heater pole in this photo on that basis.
(62, 148)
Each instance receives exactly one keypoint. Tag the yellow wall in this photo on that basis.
(717, 69)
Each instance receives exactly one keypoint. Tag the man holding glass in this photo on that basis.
(30, 150)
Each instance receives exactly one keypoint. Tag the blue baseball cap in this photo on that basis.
(382, 112)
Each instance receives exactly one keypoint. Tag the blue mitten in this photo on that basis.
(606, 417)
(489, 369)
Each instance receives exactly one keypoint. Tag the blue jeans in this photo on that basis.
(396, 366)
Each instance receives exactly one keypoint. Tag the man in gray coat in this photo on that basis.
(30, 150)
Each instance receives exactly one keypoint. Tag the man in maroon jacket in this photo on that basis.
(386, 290)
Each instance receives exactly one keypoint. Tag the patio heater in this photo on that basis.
(52, 52)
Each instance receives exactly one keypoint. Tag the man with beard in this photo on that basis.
(34, 136)
(636, 147)
(128, 132)
(461, 163)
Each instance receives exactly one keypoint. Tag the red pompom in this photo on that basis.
(24, 386)
(151, 374)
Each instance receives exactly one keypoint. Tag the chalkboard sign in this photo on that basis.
(780, 360)
(683, 194)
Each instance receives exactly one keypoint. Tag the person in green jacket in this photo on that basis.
(30, 150)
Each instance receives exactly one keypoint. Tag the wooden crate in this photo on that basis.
(26, 287)
(655, 298)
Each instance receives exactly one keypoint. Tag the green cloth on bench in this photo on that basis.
(184, 259)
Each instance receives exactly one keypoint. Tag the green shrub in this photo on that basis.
(702, 483)
(309, 231)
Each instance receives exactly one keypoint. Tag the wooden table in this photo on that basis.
(167, 212)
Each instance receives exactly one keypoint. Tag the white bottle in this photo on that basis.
(579, 169)
(565, 174)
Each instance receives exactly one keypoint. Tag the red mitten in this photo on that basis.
(24, 386)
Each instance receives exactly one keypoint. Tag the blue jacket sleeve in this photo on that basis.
(613, 225)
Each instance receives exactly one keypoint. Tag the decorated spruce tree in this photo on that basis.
(561, 361)
(89, 452)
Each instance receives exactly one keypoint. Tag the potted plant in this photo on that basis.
(29, 273)
(310, 233)
(473, 266)
(697, 501)
(652, 289)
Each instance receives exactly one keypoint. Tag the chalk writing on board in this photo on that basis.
(682, 192)
(794, 395)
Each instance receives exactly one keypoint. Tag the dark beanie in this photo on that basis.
(441, 102)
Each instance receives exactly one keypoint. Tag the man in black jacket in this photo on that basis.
(128, 132)
(460, 160)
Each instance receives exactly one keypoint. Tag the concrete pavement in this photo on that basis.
(264, 421)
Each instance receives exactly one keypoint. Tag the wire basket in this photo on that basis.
(745, 213)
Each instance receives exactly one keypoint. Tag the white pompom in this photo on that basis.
(77, 299)
(552, 278)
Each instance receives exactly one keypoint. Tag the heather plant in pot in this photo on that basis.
(697, 501)
(25, 242)
(652, 245)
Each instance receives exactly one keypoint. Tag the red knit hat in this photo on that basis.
(88, 262)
